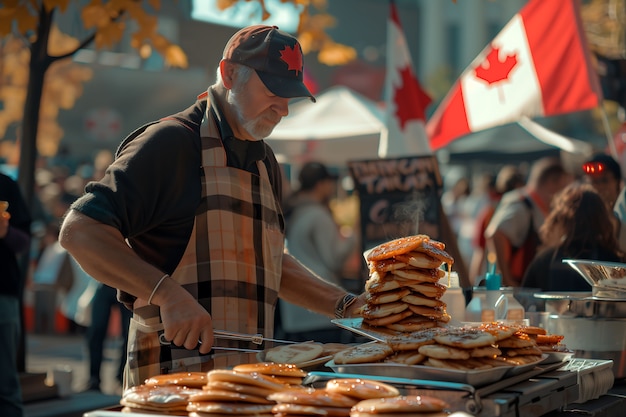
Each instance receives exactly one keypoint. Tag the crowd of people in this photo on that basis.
(530, 223)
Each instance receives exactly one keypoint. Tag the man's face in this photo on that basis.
(257, 110)
(606, 185)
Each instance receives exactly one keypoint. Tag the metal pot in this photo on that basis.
(594, 327)
(594, 338)
(559, 302)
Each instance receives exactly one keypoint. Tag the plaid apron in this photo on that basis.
(232, 266)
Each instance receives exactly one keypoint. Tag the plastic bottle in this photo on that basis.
(453, 297)
(475, 307)
(493, 298)
(514, 310)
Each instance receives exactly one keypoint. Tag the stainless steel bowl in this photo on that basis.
(559, 302)
(609, 277)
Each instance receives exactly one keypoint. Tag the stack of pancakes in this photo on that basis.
(458, 348)
(336, 399)
(402, 406)
(164, 394)
(486, 346)
(244, 390)
(403, 292)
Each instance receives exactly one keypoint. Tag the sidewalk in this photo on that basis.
(67, 354)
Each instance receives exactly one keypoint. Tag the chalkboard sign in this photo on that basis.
(398, 197)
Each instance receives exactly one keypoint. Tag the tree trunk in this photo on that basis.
(39, 64)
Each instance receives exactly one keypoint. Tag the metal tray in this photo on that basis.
(555, 357)
(476, 378)
(356, 325)
(520, 369)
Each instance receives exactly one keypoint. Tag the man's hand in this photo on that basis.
(186, 322)
(353, 309)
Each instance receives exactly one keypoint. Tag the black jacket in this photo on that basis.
(16, 241)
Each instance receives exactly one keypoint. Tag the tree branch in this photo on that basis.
(83, 44)
(86, 41)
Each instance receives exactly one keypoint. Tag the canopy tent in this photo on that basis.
(341, 126)
(525, 140)
(346, 126)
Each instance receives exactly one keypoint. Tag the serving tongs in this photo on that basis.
(257, 339)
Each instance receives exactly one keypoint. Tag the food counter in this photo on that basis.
(415, 355)
(572, 388)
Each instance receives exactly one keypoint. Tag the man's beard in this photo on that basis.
(254, 127)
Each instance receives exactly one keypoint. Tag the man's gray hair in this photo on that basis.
(243, 74)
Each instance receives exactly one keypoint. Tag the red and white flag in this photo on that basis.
(538, 65)
(405, 100)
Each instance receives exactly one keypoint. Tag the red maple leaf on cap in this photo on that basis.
(292, 56)
(493, 69)
(411, 101)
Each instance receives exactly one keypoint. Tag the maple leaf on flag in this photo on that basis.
(415, 107)
(292, 56)
(493, 70)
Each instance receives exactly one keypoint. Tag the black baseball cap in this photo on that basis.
(274, 54)
(312, 173)
(600, 163)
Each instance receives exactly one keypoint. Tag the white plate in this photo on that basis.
(306, 365)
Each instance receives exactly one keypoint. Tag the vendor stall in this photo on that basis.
(414, 357)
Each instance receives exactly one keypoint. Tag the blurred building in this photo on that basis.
(126, 91)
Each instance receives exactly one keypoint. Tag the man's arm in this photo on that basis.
(102, 252)
(301, 286)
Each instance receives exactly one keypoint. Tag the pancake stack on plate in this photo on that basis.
(230, 392)
(164, 394)
(486, 346)
(402, 405)
(403, 292)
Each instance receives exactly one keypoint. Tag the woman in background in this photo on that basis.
(578, 227)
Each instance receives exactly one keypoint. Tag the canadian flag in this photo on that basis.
(405, 101)
(538, 65)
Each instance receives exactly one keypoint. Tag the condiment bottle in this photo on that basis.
(491, 310)
(514, 310)
(453, 297)
(474, 308)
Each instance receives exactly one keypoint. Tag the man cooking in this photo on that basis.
(186, 222)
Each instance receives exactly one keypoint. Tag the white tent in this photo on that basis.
(346, 126)
(341, 126)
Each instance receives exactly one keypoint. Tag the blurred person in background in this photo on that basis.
(315, 239)
(470, 210)
(509, 178)
(14, 242)
(104, 299)
(605, 175)
(576, 228)
(512, 233)
(452, 201)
